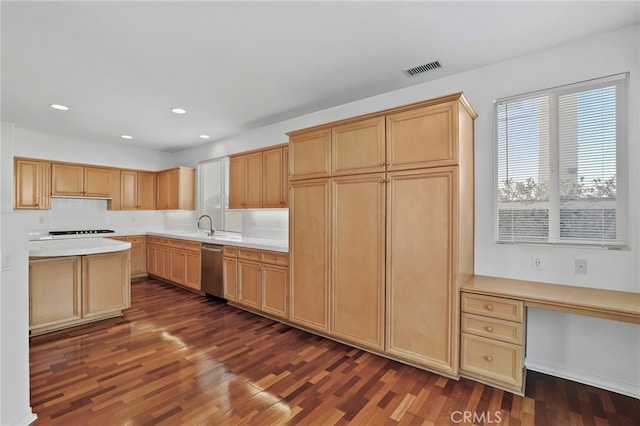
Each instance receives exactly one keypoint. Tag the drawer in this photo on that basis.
(507, 331)
(136, 239)
(230, 251)
(118, 238)
(495, 307)
(176, 243)
(275, 258)
(494, 361)
(156, 240)
(250, 254)
(192, 246)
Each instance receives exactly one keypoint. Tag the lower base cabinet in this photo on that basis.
(492, 341)
(73, 290)
(138, 254)
(260, 281)
(174, 260)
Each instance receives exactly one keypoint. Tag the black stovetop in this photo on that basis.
(84, 231)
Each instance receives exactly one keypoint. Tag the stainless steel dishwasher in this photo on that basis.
(211, 270)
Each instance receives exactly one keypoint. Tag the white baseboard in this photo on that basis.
(585, 377)
(25, 420)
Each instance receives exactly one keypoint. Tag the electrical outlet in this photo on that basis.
(581, 266)
(6, 261)
(536, 262)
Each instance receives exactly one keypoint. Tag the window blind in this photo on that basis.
(561, 174)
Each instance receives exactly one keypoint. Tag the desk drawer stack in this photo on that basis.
(492, 341)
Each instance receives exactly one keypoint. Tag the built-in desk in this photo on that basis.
(493, 322)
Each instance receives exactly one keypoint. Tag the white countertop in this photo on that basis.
(75, 247)
(223, 238)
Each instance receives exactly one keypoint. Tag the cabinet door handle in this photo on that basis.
(489, 329)
(488, 358)
(489, 307)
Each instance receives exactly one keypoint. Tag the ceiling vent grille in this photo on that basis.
(420, 69)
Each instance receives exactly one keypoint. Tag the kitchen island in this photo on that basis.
(76, 281)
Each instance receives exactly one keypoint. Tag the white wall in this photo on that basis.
(603, 55)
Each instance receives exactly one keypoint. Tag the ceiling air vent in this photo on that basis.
(420, 69)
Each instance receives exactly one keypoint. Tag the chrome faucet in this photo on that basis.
(211, 231)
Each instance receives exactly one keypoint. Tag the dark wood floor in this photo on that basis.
(176, 358)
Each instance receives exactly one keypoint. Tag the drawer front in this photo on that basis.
(156, 240)
(506, 331)
(230, 251)
(495, 307)
(250, 254)
(275, 258)
(176, 243)
(491, 360)
(192, 246)
(136, 239)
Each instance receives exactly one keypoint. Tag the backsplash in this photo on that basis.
(266, 223)
(83, 213)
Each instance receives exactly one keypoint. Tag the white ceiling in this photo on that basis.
(234, 66)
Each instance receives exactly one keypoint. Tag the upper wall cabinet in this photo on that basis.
(358, 147)
(176, 189)
(137, 190)
(80, 181)
(310, 154)
(32, 184)
(259, 179)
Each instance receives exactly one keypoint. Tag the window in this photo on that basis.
(561, 165)
(213, 190)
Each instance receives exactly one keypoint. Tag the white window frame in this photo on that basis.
(622, 187)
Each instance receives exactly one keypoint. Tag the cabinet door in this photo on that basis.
(253, 180)
(173, 188)
(32, 184)
(67, 179)
(128, 190)
(230, 277)
(309, 227)
(358, 259)
(358, 147)
(151, 259)
(424, 137)
(106, 284)
(146, 190)
(165, 262)
(98, 182)
(54, 291)
(193, 270)
(249, 284)
(138, 255)
(177, 270)
(421, 249)
(310, 155)
(285, 177)
(162, 190)
(272, 188)
(275, 290)
(236, 182)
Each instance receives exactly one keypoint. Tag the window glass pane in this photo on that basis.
(212, 190)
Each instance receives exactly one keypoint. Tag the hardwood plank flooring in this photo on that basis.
(176, 358)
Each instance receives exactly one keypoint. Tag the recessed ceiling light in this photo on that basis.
(126, 137)
(59, 107)
(178, 111)
(205, 137)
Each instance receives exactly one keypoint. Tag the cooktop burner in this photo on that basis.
(85, 231)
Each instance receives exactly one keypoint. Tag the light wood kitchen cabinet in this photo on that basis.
(54, 292)
(358, 147)
(81, 181)
(138, 190)
(32, 184)
(249, 284)
(421, 250)
(357, 259)
(174, 260)
(106, 284)
(230, 273)
(309, 235)
(424, 137)
(175, 189)
(413, 170)
(138, 254)
(492, 341)
(262, 281)
(72, 290)
(275, 178)
(310, 154)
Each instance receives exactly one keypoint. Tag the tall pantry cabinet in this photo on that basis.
(381, 229)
